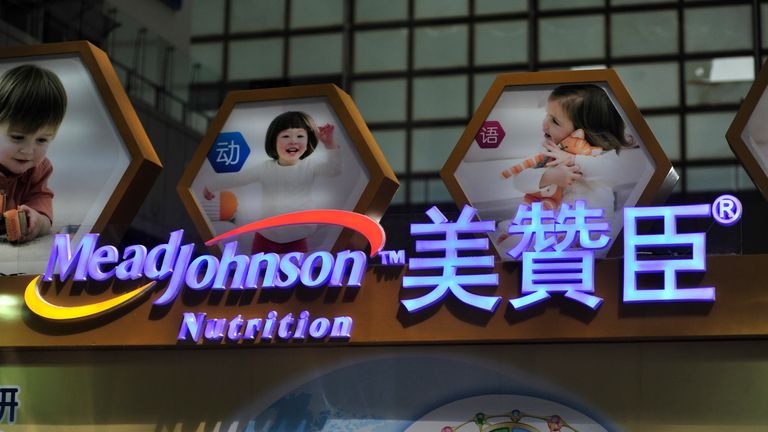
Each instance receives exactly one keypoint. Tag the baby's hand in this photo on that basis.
(325, 135)
(37, 224)
(560, 175)
(208, 195)
(557, 155)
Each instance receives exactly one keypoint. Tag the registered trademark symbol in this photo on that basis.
(726, 210)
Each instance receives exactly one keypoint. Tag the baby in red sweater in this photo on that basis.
(32, 105)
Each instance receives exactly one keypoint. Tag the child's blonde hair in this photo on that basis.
(590, 109)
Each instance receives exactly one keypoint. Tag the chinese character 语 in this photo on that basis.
(558, 270)
(490, 134)
(8, 400)
(668, 267)
(449, 280)
(228, 152)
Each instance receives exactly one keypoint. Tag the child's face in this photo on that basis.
(291, 144)
(557, 125)
(21, 151)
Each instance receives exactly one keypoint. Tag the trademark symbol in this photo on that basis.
(392, 257)
(726, 210)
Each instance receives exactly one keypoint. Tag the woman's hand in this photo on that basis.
(38, 224)
(325, 135)
(560, 175)
(557, 155)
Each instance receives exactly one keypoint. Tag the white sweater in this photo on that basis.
(287, 189)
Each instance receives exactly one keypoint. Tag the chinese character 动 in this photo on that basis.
(228, 152)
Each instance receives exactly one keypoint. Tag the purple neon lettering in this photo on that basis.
(449, 265)
(175, 262)
(174, 285)
(131, 268)
(320, 328)
(207, 263)
(342, 328)
(571, 272)
(61, 256)
(198, 327)
(215, 328)
(358, 258)
(325, 260)
(102, 256)
(252, 328)
(168, 251)
(633, 266)
(229, 257)
(284, 330)
(583, 224)
(234, 327)
(301, 326)
(254, 270)
(191, 326)
(539, 231)
(289, 265)
(269, 326)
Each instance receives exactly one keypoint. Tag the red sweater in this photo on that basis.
(30, 188)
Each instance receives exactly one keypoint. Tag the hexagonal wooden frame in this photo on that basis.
(659, 186)
(739, 123)
(145, 165)
(376, 196)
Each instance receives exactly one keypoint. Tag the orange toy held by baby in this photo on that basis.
(575, 144)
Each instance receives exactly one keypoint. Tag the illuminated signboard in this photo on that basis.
(530, 267)
(551, 266)
(557, 251)
(173, 263)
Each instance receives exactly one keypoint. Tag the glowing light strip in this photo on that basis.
(366, 226)
(39, 306)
